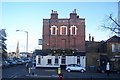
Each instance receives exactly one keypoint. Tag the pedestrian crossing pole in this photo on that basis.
(29, 70)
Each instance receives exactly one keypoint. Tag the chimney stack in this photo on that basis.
(54, 15)
(73, 15)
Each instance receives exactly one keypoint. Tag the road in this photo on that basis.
(21, 72)
(14, 71)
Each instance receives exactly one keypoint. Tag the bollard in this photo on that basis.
(29, 70)
(59, 71)
(32, 71)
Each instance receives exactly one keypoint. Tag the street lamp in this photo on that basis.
(26, 39)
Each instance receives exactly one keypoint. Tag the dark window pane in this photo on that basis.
(49, 61)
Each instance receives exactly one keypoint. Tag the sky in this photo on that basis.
(28, 16)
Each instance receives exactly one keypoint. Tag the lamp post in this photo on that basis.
(26, 39)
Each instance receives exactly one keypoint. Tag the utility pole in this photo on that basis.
(26, 39)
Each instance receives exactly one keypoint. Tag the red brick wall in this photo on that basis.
(64, 41)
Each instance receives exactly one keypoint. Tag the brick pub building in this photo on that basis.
(64, 33)
(64, 36)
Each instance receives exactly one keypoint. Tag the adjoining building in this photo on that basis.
(99, 53)
(63, 41)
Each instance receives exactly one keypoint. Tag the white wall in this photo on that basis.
(69, 60)
(83, 61)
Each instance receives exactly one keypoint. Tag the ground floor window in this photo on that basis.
(78, 59)
(39, 60)
(63, 59)
(49, 61)
(56, 60)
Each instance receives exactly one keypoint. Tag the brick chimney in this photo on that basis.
(73, 15)
(54, 15)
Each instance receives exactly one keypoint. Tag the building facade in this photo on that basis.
(64, 33)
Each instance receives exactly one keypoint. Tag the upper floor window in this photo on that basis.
(73, 30)
(63, 30)
(115, 47)
(53, 30)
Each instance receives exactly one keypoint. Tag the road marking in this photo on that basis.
(13, 76)
(51, 70)
(42, 76)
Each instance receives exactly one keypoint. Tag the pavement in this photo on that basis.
(21, 73)
(52, 74)
(56, 77)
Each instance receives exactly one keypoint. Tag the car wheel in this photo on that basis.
(82, 70)
(68, 70)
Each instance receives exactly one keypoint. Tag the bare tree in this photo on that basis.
(111, 24)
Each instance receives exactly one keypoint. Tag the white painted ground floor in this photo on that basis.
(56, 61)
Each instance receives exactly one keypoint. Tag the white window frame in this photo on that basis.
(113, 47)
(52, 30)
(61, 30)
(75, 30)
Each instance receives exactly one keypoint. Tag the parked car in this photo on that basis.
(23, 61)
(19, 62)
(10, 62)
(28, 60)
(75, 67)
(5, 64)
(14, 62)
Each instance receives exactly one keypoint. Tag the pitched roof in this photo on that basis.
(114, 39)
